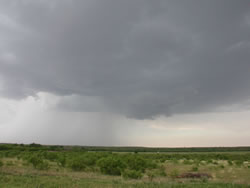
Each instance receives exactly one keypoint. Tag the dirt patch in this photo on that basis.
(195, 175)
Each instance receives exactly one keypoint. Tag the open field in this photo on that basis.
(58, 167)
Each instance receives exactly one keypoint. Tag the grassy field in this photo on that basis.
(42, 166)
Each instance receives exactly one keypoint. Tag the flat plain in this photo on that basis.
(40, 166)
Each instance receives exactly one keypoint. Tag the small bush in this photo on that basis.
(81, 162)
(89, 159)
(151, 164)
(52, 156)
(204, 180)
(133, 174)
(209, 161)
(187, 162)
(222, 166)
(238, 163)
(34, 160)
(136, 163)
(1, 163)
(61, 160)
(230, 163)
(195, 168)
(43, 166)
(162, 160)
(77, 164)
(111, 165)
(38, 163)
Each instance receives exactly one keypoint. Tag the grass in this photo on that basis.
(225, 169)
(38, 181)
(17, 174)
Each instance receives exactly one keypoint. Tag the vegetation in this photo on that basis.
(1, 163)
(36, 165)
(133, 174)
(111, 165)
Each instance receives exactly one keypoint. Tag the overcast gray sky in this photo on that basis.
(134, 72)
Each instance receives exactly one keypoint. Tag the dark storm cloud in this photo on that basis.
(139, 58)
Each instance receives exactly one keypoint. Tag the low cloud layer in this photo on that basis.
(136, 58)
(37, 119)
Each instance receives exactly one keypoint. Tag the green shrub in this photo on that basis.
(61, 160)
(43, 166)
(222, 166)
(1, 163)
(204, 180)
(195, 168)
(35, 161)
(136, 163)
(151, 164)
(111, 165)
(162, 160)
(52, 156)
(77, 164)
(38, 163)
(209, 161)
(187, 162)
(133, 174)
(90, 159)
(238, 163)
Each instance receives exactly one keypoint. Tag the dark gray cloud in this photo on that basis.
(138, 58)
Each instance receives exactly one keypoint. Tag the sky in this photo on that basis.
(160, 73)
